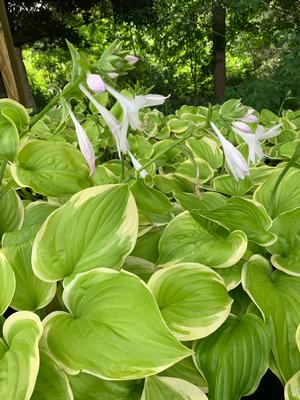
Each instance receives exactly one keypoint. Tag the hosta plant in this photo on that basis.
(146, 256)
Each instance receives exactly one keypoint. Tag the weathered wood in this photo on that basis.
(9, 66)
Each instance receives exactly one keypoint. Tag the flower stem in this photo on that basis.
(54, 101)
(122, 167)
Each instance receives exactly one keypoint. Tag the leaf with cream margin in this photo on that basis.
(19, 355)
(97, 227)
(197, 171)
(203, 201)
(165, 388)
(227, 184)
(89, 387)
(7, 282)
(277, 295)
(286, 251)
(190, 238)
(232, 276)
(192, 299)
(127, 337)
(31, 293)
(292, 388)
(246, 215)
(186, 369)
(11, 212)
(287, 195)
(234, 358)
(52, 382)
(50, 168)
(207, 149)
(16, 112)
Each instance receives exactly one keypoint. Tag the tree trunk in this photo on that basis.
(29, 100)
(219, 43)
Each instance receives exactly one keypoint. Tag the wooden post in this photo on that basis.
(9, 67)
(219, 56)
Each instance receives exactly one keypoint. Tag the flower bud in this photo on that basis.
(113, 75)
(95, 83)
(131, 59)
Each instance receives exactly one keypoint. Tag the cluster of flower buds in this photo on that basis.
(115, 61)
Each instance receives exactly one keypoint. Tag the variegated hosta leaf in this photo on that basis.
(11, 212)
(89, 387)
(207, 149)
(186, 369)
(234, 358)
(140, 267)
(19, 355)
(51, 168)
(52, 382)
(197, 171)
(190, 240)
(192, 299)
(16, 112)
(146, 246)
(292, 388)
(163, 388)
(277, 295)
(286, 251)
(149, 199)
(287, 195)
(31, 293)
(232, 276)
(246, 215)
(9, 137)
(7, 282)
(203, 201)
(97, 227)
(127, 337)
(229, 185)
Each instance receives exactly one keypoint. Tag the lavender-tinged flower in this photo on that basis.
(234, 159)
(132, 106)
(253, 140)
(249, 117)
(241, 126)
(131, 59)
(84, 143)
(137, 165)
(95, 83)
(119, 130)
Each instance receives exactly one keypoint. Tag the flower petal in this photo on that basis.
(137, 165)
(84, 143)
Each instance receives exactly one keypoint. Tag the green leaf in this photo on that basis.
(16, 113)
(51, 168)
(89, 387)
(207, 149)
(31, 293)
(140, 267)
(277, 295)
(163, 387)
(128, 338)
(247, 215)
(286, 251)
(192, 299)
(287, 196)
(149, 199)
(7, 277)
(19, 355)
(197, 171)
(97, 227)
(11, 212)
(198, 240)
(9, 137)
(234, 358)
(232, 275)
(178, 125)
(292, 388)
(205, 200)
(147, 245)
(52, 382)
(227, 184)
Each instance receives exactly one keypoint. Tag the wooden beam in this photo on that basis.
(9, 67)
